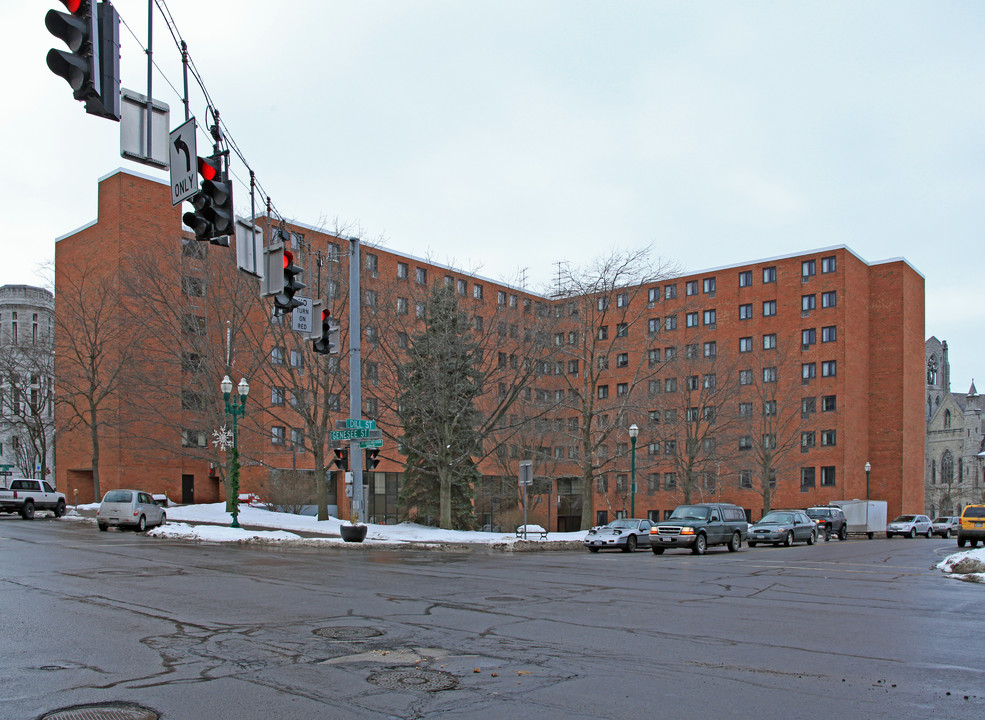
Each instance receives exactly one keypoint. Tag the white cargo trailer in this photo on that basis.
(864, 516)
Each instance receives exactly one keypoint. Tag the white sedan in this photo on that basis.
(624, 534)
(910, 526)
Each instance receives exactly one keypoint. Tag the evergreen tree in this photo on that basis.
(440, 383)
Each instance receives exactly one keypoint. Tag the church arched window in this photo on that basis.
(947, 419)
(947, 468)
(932, 370)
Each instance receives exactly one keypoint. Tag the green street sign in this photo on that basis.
(371, 444)
(357, 434)
(352, 424)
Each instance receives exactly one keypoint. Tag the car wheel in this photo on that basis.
(60, 509)
(735, 542)
(630, 544)
(164, 519)
(826, 533)
(843, 533)
(593, 549)
(141, 524)
(700, 545)
(27, 512)
(947, 533)
(788, 540)
(751, 544)
(811, 538)
(658, 551)
(889, 536)
(960, 541)
(103, 527)
(913, 532)
(930, 533)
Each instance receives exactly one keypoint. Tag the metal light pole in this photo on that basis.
(235, 409)
(634, 431)
(868, 468)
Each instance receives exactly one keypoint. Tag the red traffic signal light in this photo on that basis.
(213, 216)
(327, 342)
(372, 458)
(284, 301)
(341, 459)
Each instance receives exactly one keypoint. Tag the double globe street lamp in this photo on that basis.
(234, 409)
(634, 432)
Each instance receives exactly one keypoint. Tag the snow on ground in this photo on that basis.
(966, 565)
(281, 527)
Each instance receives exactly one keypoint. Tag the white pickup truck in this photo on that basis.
(25, 496)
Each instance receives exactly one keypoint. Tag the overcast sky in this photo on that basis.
(503, 136)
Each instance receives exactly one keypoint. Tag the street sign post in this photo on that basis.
(353, 424)
(183, 154)
(356, 434)
(526, 479)
(363, 444)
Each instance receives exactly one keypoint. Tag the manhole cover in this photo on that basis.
(426, 680)
(104, 711)
(348, 632)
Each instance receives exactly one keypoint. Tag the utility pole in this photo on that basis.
(355, 379)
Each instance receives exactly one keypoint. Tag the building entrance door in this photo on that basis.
(187, 489)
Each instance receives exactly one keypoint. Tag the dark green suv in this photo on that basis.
(830, 521)
(700, 525)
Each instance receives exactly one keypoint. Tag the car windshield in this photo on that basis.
(818, 512)
(942, 520)
(905, 518)
(118, 496)
(776, 518)
(689, 512)
(975, 511)
(623, 524)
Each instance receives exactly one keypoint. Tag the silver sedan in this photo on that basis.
(625, 534)
(783, 527)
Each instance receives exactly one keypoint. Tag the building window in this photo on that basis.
(808, 406)
(602, 304)
(829, 264)
(807, 440)
(829, 438)
(192, 362)
(670, 322)
(828, 476)
(709, 381)
(192, 286)
(193, 438)
(654, 417)
(745, 442)
(297, 360)
(603, 392)
(277, 356)
(403, 271)
(622, 329)
(691, 288)
(829, 333)
(653, 387)
(829, 299)
(691, 319)
(769, 341)
(769, 374)
(653, 326)
(573, 368)
(670, 480)
(371, 370)
(670, 292)
(670, 353)
(603, 332)
(401, 306)
(808, 268)
(806, 478)
(403, 340)
(807, 303)
(709, 317)
(808, 371)
(297, 439)
(745, 344)
(769, 308)
(670, 447)
(670, 385)
(193, 249)
(622, 360)
(745, 410)
(745, 278)
(277, 395)
(691, 350)
(769, 275)
(709, 286)
(808, 336)
(462, 287)
(745, 311)
(829, 403)
(420, 309)
(653, 295)
(745, 479)
(829, 368)
(622, 300)
(769, 408)
(622, 389)
(692, 382)
(277, 434)
(370, 298)
(711, 349)
(190, 324)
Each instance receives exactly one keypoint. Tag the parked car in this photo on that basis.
(945, 525)
(831, 521)
(910, 526)
(129, 508)
(626, 534)
(25, 495)
(784, 527)
(698, 526)
(972, 527)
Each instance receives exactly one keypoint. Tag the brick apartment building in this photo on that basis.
(827, 343)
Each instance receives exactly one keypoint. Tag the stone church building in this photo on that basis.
(955, 444)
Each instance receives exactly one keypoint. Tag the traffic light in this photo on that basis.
(341, 459)
(328, 341)
(284, 301)
(212, 219)
(372, 458)
(91, 66)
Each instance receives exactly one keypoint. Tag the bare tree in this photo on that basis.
(27, 375)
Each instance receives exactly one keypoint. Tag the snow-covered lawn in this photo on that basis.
(284, 527)
(965, 565)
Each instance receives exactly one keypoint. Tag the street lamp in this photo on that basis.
(634, 431)
(868, 468)
(234, 409)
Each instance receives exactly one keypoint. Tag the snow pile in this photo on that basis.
(967, 565)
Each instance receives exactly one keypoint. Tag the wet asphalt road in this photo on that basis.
(856, 629)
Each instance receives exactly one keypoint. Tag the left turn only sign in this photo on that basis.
(184, 162)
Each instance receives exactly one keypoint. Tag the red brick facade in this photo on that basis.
(866, 351)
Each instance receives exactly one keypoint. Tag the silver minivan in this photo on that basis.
(129, 508)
